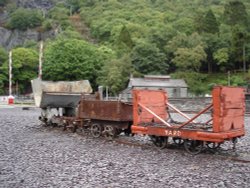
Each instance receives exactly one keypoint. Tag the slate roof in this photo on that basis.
(142, 82)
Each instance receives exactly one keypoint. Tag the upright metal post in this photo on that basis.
(228, 78)
(244, 58)
(10, 73)
(40, 60)
(100, 91)
(107, 93)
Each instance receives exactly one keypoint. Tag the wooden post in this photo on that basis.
(40, 60)
(10, 73)
(244, 58)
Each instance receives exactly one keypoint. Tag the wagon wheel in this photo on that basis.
(109, 132)
(160, 141)
(213, 145)
(73, 129)
(65, 125)
(118, 131)
(193, 146)
(178, 141)
(127, 132)
(96, 130)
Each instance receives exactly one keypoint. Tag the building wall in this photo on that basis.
(172, 92)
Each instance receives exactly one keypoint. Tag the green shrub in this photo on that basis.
(23, 19)
(3, 2)
(47, 25)
(238, 81)
(195, 81)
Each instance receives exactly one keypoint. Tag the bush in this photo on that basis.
(3, 2)
(238, 81)
(23, 19)
(195, 81)
(47, 25)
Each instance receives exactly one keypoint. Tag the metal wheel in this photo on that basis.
(73, 128)
(213, 145)
(109, 132)
(64, 127)
(127, 132)
(160, 141)
(193, 147)
(178, 141)
(96, 130)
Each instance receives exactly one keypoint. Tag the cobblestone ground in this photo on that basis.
(36, 156)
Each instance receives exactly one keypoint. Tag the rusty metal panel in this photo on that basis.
(154, 100)
(105, 110)
(228, 108)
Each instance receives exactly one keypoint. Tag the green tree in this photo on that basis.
(23, 19)
(189, 58)
(184, 25)
(72, 59)
(235, 13)
(121, 39)
(238, 40)
(73, 5)
(125, 38)
(194, 80)
(210, 24)
(147, 59)
(183, 41)
(213, 42)
(115, 74)
(178, 50)
(3, 2)
(59, 15)
(159, 36)
(222, 57)
(236, 16)
(3, 74)
(3, 55)
(24, 63)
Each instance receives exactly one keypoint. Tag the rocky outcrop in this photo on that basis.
(10, 39)
(13, 38)
(37, 4)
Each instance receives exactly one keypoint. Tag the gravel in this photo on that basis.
(35, 156)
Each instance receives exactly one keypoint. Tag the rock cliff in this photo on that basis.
(12, 38)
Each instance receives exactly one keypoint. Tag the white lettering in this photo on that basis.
(173, 133)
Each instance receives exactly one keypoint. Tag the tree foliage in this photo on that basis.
(115, 74)
(148, 59)
(3, 59)
(3, 55)
(158, 36)
(235, 13)
(24, 67)
(72, 59)
(23, 19)
(189, 58)
(3, 2)
(222, 57)
(210, 24)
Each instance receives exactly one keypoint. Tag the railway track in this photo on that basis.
(220, 153)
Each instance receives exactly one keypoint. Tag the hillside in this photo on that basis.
(190, 39)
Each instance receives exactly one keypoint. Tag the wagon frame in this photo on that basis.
(151, 117)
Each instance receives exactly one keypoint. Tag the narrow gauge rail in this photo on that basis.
(148, 115)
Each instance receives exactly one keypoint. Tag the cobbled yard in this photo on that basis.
(32, 155)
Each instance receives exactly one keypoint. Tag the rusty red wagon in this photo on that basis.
(151, 117)
(108, 118)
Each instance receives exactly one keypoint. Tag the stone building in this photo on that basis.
(175, 87)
